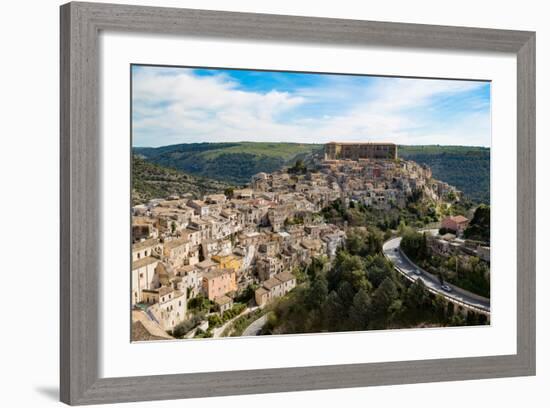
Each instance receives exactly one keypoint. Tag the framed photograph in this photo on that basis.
(261, 203)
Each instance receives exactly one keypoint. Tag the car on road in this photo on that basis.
(446, 288)
(417, 272)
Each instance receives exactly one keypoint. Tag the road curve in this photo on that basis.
(255, 327)
(403, 265)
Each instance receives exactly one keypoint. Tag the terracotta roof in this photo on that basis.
(459, 218)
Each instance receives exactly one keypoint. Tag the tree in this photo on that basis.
(378, 269)
(345, 293)
(334, 311)
(300, 274)
(214, 320)
(480, 227)
(360, 310)
(317, 294)
(395, 308)
(316, 267)
(298, 168)
(247, 294)
(229, 192)
(415, 245)
(344, 265)
(355, 241)
(417, 295)
(374, 242)
(355, 217)
(383, 297)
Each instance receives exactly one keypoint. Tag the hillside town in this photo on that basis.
(216, 247)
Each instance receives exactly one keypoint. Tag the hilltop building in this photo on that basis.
(360, 150)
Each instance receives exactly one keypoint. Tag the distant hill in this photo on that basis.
(231, 162)
(464, 167)
(468, 168)
(153, 181)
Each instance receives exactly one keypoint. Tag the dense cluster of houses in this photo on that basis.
(384, 184)
(219, 245)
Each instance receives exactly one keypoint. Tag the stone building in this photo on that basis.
(360, 150)
(219, 282)
(275, 287)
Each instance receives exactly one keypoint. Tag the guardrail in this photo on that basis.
(435, 292)
(457, 289)
(443, 295)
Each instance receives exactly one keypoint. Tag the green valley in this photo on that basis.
(231, 162)
(153, 181)
(468, 168)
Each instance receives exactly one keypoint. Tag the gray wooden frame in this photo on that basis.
(80, 233)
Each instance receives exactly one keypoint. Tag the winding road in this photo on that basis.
(255, 327)
(217, 332)
(460, 296)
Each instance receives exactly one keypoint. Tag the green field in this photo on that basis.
(231, 162)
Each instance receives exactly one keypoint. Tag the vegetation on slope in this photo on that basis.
(231, 162)
(418, 213)
(465, 167)
(479, 228)
(361, 291)
(471, 273)
(153, 181)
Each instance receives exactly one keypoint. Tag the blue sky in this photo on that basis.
(183, 105)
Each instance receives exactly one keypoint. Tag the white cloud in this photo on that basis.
(182, 107)
(187, 108)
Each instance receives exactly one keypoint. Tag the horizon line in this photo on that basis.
(303, 143)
